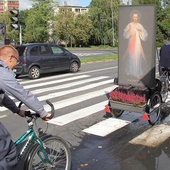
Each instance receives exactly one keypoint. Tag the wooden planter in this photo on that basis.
(127, 106)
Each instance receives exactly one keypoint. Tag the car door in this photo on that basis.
(42, 56)
(62, 59)
(47, 58)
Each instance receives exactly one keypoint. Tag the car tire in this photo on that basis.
(34, 72)
(74, 67)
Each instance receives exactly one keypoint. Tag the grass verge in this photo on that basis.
(99, 58)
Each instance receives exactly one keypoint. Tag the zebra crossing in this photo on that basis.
(88, 88)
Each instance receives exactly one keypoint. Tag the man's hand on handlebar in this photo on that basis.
(21, 113)
(47, 117)
(24, 113)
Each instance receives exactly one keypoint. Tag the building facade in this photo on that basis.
(75, 9)
(7, 5)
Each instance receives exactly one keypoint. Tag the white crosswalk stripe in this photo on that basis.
(80, 98)
(54, 81)
(68, 85)
(55, 87)
(67, 118)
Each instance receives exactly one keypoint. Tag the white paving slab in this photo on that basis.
(112, 124)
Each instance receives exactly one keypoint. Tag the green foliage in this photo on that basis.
(36, 26)
(37, 21)
(71, 28)
(83, 29)
(162, 19)
(103, 29)
(63, 26)
(40, 22)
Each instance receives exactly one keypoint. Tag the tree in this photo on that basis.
(83, 29)
(37, 21)
(162, 18)
(63, 26)
(40, 22)
(103, 28)
(70, 28)
(10, 33)
(163, 24)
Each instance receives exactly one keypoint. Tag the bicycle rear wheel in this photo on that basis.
(58, 153)
(154, 108)
(164, 90)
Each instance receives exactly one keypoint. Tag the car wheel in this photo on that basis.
(34, 73)
(74, 67)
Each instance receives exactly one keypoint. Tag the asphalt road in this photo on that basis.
(92, 53)
(96, 142)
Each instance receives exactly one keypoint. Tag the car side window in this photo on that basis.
(56, 50)
(34, 51)
(44, 50)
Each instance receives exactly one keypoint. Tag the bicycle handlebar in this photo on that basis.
(52, 108)
(31, 115)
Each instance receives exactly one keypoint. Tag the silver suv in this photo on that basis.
(38, 58)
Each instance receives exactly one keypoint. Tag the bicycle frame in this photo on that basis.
(32, 137)
(32, 140)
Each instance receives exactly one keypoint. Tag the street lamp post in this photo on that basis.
(112, 23)
(20, 34)
(130, 2)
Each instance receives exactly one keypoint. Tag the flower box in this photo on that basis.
(127, 106)
(131, 99)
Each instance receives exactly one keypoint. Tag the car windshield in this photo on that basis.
(21, 50)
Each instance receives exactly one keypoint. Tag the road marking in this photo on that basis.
(56, 81)
(24, 81)
(80, 98)
(68, 85)
(110, 125)
(88, 87)
(87, 54)
(103, 69)
(64, 75)
(107, 126)
(78, 114)
(72, 100)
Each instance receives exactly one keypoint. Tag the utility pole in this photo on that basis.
(20, 34)
(112, 23)
(20, 31)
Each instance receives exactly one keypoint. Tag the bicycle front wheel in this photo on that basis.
(57, 151)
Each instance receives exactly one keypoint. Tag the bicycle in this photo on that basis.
(164, 85)
(41, 151)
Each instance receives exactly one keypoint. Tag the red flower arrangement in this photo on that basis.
(130, 98)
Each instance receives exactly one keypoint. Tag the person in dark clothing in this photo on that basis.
(165, 54)
(9, 58)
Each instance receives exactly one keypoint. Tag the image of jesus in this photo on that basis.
(135, 33)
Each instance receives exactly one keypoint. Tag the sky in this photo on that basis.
(25, 4)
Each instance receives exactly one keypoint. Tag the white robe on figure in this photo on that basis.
(135, 32)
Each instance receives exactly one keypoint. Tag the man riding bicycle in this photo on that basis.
(9, 58)
(164, 62)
